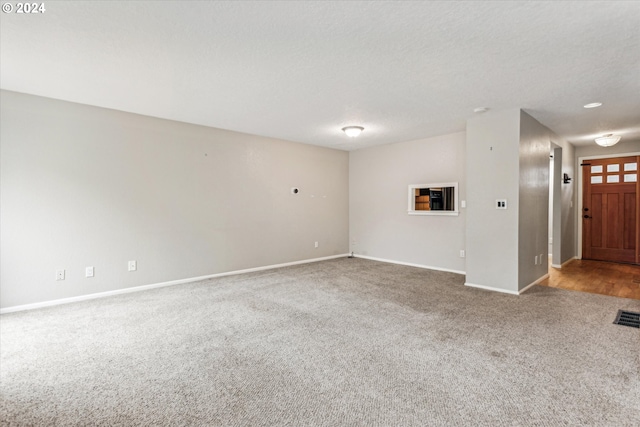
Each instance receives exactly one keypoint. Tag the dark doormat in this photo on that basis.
(628, 318)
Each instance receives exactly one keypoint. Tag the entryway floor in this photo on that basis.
(597, 277)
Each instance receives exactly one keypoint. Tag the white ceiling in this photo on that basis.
(300, 71)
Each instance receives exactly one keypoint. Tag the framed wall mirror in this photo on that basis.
(433, 199)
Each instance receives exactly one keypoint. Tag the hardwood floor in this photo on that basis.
(597, 277)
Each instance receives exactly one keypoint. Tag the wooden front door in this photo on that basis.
(610, 220)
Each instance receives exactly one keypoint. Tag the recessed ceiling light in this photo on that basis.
(593, 105)
(353, 131)
(481, 110)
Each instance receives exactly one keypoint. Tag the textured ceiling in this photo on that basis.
(300, 71)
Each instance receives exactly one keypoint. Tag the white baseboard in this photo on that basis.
(559, 267)
(428, 267)
(157, 285)
(507, 291)
(489, 288)
(523, 290)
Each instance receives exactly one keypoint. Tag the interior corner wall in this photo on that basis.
(492, 173)
(379, 224)
(85, 186)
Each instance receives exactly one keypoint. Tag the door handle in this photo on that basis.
(587, 217)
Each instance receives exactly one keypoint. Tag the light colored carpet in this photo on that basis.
(346, 342)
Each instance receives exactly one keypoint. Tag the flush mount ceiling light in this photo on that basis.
(608, 140)
(353, 131)
(480, 110)
(593, 105)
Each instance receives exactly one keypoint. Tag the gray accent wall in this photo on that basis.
(380, 226)
(533, 199)
(85, 186)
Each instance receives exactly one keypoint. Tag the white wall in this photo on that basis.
(84, 186)
(621, 147)
(378, 187)
(493, 173)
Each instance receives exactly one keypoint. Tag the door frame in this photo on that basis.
(580, 190)
(555, 205)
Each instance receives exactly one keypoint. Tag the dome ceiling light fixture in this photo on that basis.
(353, 131)
(593, 105)
(608, 140)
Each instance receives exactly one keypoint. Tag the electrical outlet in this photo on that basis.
(59, 274)
(462, 253)
(316, 245)
(88, 272)
(133, 265)
(501, 203)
